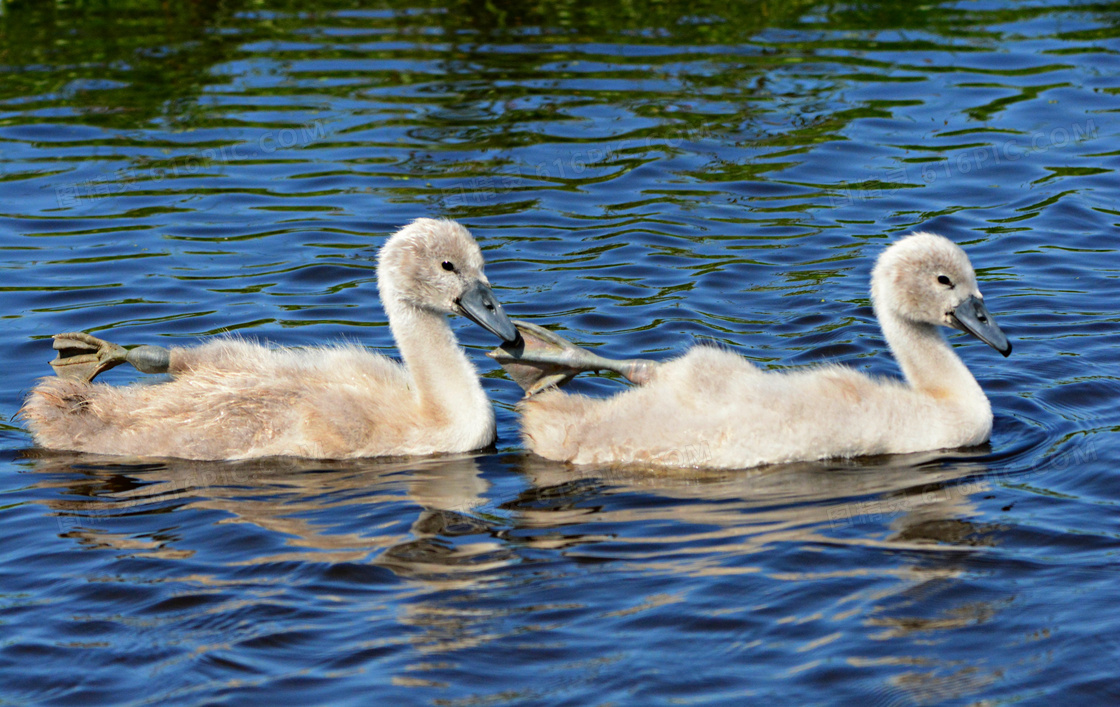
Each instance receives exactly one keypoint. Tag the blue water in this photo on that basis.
(641, 177)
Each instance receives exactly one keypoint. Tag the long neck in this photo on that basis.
(446, 385)
(928, 362)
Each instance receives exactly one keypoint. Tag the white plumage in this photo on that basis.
(714, 408)
(232, 399)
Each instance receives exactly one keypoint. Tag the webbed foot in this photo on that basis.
(85, 357)
(543, 359)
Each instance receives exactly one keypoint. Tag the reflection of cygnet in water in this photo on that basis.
(231, 399)
(450, 541)
(720, 404)
(320, 511)
(900, 501)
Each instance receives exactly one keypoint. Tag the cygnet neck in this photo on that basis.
(928, 362)
(445, 383)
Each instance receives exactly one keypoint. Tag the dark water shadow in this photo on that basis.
(923, 497)
(397, 513)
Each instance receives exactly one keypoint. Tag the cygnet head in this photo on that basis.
(435, 265)
(927, 279)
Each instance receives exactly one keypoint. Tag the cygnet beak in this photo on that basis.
(973, 317)
(479, 305)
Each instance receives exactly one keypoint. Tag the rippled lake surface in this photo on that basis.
(642, 176)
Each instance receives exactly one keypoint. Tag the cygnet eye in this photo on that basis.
(448, 266)
(944, 280)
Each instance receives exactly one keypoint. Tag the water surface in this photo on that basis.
(642, 176)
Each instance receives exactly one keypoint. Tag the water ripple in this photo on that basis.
(641, 177)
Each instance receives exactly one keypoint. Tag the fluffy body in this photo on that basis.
(713, 408)
(232, 399)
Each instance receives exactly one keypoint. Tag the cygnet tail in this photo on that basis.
(62, 414)
(553, 423)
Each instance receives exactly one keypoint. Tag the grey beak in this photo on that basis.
(973, 317)
(479, 305)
